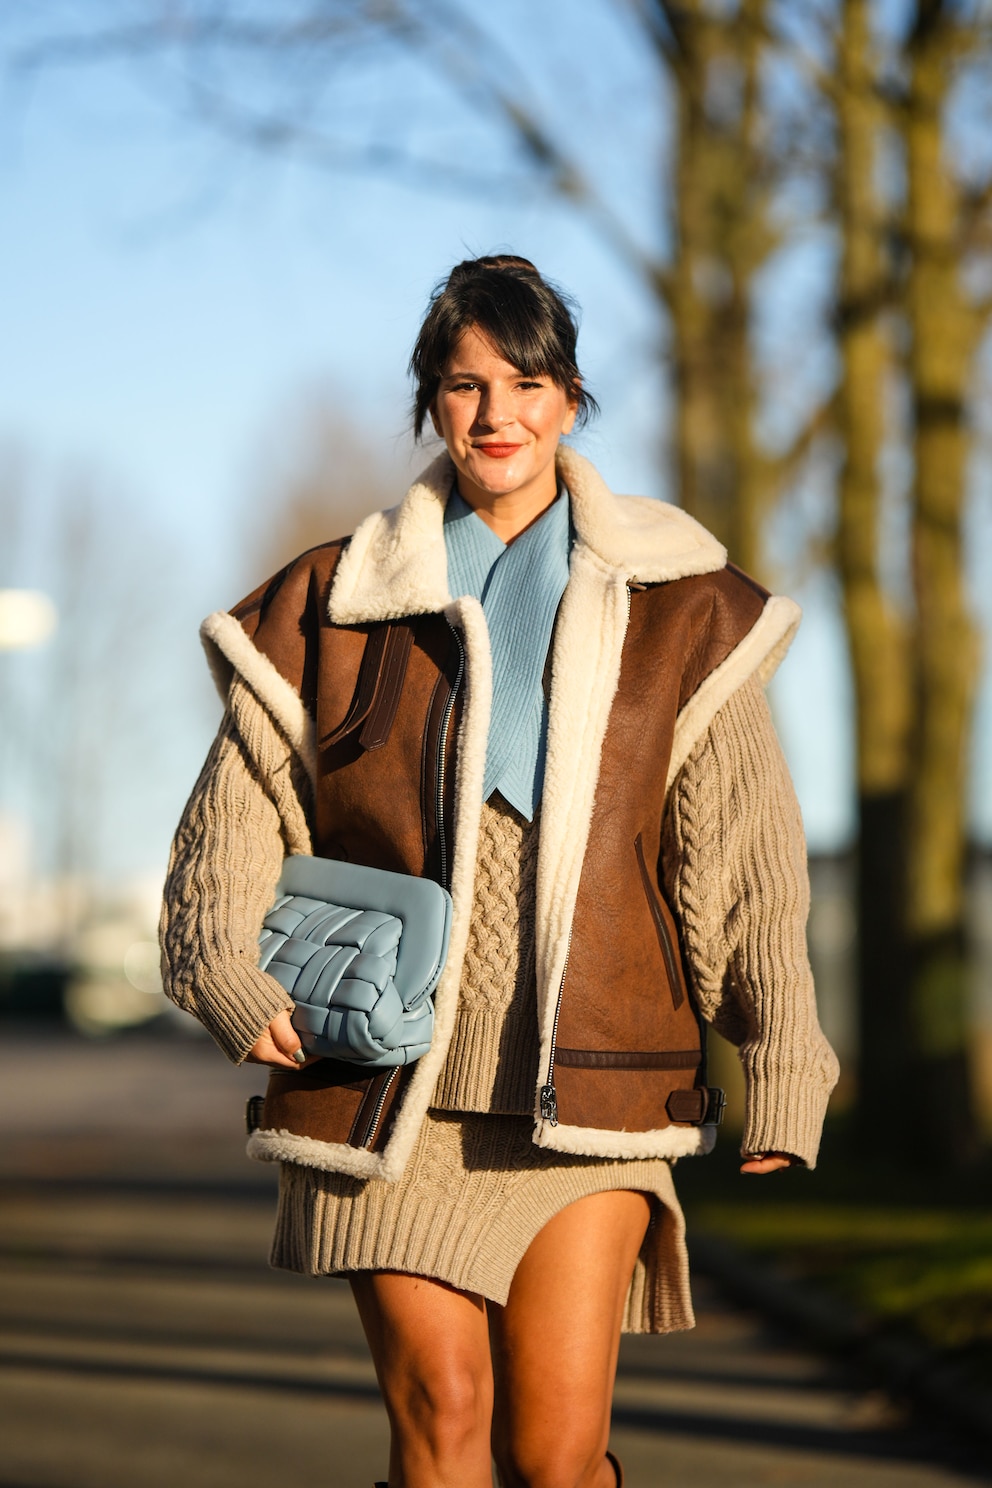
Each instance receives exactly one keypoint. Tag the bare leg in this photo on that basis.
(430, 1346)
(554, 1350)
(555, 1344)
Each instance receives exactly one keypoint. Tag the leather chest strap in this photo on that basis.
(380, 685)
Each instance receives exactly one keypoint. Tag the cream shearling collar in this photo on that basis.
(396, 565)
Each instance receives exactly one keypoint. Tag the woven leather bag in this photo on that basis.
(360, 951)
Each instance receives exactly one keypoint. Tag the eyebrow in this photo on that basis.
(478, 376)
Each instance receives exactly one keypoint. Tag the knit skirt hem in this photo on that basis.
(475, 1194)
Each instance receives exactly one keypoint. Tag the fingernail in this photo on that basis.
(299, 1056)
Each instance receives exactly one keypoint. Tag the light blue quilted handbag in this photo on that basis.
(360, 951)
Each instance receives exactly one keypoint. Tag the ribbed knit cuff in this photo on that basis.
(236, 1004)
(784, 1112)
(491, 1064)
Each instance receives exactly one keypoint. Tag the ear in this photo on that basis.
(432, 410)
(569, 420)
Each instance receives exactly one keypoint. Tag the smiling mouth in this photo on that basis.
(497, 451)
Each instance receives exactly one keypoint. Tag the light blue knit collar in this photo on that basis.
(520, 586)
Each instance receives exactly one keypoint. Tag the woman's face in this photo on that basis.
(501, 428)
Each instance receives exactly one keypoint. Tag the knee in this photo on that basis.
(558, 1462)
(444, 1407)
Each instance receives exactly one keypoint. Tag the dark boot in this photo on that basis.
(614, 1462)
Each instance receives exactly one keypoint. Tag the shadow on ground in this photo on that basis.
(145, 1342)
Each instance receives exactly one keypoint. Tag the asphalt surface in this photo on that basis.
(144, 1343)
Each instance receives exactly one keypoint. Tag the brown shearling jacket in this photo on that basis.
(381, 682)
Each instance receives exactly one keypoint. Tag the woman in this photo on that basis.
(549, 698)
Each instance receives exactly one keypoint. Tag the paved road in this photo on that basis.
(145, 1344)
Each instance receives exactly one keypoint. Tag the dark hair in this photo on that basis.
(529, 322)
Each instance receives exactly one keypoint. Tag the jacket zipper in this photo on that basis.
(376, 1116)
(549, 1095)
(442, 740)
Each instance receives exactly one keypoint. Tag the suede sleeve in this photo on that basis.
(734, 862)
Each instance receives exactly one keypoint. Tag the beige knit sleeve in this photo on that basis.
(247, 810)
(734, 862)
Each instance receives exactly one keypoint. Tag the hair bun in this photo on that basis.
(469, 269)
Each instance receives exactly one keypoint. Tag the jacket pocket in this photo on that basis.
(669, 954)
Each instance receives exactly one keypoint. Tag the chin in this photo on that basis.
(501, 477)
(500, 488)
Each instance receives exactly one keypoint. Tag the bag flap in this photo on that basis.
(422, 906)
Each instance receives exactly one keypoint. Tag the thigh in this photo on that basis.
(421, 1330)
(555, 1342)
(430, 1347)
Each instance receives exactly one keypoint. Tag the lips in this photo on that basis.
(497, 451)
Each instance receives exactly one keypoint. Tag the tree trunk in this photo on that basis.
(877, 638)
(944, 334)
(721, 239)
(749, 240)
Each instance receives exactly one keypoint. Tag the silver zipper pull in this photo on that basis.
(549, 1104)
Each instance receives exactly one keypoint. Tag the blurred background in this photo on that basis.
(222, 221)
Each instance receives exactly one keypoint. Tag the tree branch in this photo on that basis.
(447, 39)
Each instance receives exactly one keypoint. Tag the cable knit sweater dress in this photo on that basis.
(477, 1190)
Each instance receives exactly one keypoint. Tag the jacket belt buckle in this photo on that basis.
(703, 1105)
(716, 1104)
(254, 1113)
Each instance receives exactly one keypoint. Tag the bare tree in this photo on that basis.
(915, 673)
(945, 325)
(722, 236)
(877, 630)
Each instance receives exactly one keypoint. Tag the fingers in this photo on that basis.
(768, 1162)
(279, 1044)
(286, 1038)
(264, 1051)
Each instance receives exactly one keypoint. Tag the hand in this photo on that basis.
(768, 1162)
(278, 1044)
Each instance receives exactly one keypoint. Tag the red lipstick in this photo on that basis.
(498, 451)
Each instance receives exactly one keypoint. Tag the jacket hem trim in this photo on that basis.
(668, 1142)
(270, 1145)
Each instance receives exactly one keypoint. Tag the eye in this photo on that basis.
(529, 385)
(463, 386)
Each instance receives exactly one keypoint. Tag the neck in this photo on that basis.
(510, 515)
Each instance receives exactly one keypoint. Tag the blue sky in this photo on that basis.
(168, 302)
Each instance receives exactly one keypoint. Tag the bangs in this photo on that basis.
(505, 316)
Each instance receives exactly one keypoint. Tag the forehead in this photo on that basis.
(474, 352)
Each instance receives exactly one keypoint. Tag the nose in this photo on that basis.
(494, 409)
